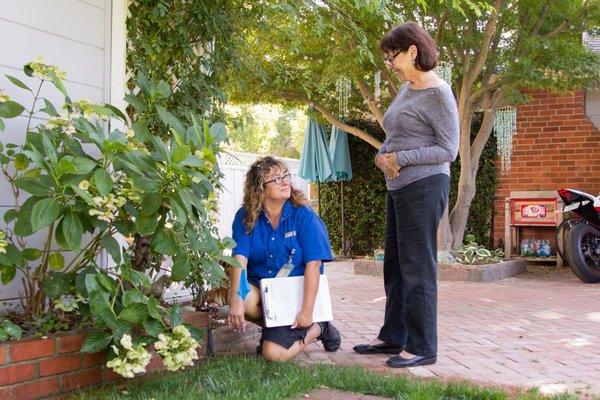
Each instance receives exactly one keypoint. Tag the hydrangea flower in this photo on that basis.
(177, 350)
(129, 360)
(68, 303)
(42, 70)
(3, 96)
(3, 242)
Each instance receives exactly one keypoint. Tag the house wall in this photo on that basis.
(556, 146)
(73, 34)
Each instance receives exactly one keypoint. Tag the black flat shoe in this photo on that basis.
(382, 348)
(401, 362)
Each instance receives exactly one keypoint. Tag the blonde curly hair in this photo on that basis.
(254, 189)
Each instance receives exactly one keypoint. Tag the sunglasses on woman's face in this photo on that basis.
(280, 179)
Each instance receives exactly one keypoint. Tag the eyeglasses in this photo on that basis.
(390, 60)
(280, 179)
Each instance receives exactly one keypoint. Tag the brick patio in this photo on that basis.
(539, 329)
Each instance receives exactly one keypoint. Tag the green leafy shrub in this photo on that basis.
(472, 253)
(96, 181)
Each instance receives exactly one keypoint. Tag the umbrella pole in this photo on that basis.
(342, 203)
(319, 196)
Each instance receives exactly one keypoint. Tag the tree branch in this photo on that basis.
(371, 103)
(488, 36)
(485, 130)
(331, 119)
(441, 23)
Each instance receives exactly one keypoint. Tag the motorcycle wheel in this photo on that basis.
(582, 249)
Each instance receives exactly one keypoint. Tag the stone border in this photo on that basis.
(457, 272)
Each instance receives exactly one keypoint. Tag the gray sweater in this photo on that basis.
(422, 129)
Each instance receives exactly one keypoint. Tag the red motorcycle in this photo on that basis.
(581, 247)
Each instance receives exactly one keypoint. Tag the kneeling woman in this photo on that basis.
(275, 226)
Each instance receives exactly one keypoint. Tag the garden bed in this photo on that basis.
(457, 272)
(35, 368)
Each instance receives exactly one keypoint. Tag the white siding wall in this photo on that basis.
(73, 34)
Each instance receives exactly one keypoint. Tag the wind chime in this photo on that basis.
(343, 87)
(443, 69)
(377, 85)
(505, 126)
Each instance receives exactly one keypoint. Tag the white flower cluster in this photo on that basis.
(84, 107)
(42, 70)
(106, 206)
(64, 123)
(3, 242)
(177, 350)
(68, 303)
(3, 96)
(129, 360)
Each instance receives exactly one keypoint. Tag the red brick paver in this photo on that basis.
(536, 330)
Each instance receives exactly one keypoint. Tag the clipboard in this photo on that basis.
(282, 300)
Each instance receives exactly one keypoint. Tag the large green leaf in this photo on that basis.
(17, 82)
(154, 309)
(180, 270)
(170, 120)
(56, 261)
(31, 254)
(72, 230)
(44, 212)
(10, 109)
(7, 273)
(151, 203)
(57, 284)
(132, 296)
(83, 165)
(23, 223)
(153, 327)
(180, 153)
(103, 182)
(112, 246)
(49, 148)
(107, 282)
(178, 209)
(146, 224)
(146, 184)
(101, 311)
(218, 131)
(40, 186)
(163, 243)
(96, 341)
(83, 195)
(135, 313)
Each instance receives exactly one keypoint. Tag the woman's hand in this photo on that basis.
(388, 164)
(236, 314)
(303, 320)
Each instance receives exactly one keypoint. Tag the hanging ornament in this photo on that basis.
(377, 85)
(342, 87)
(444, 70)
(505, 126)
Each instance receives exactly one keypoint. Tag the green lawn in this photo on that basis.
(252, 378)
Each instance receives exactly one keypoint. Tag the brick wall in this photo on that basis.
(555, 146)
(35, 368)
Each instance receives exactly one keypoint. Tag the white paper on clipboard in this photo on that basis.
(282, 299)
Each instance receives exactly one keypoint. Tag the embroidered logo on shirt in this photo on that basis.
(290, 234)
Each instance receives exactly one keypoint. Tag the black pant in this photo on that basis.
(410, 264)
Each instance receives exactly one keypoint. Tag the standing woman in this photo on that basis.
(422, 139)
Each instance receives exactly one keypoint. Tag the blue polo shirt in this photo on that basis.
(300, 236)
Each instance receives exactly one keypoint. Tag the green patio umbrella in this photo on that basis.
(315, 161)
(340, 155)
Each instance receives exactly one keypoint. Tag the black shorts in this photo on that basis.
(283, 335)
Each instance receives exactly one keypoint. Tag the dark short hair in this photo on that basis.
(403, 36)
